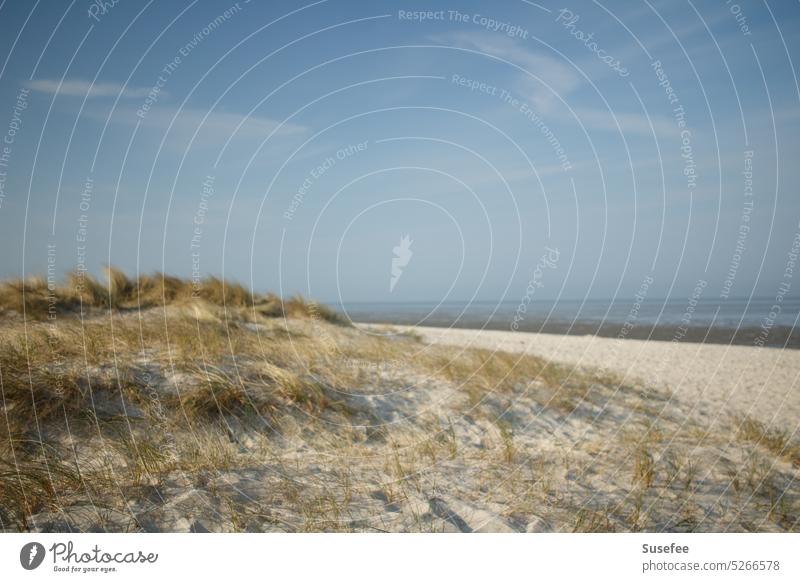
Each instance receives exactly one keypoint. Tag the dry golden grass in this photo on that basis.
(28, 487)
(35, 299)
(83, 374)
(778, 442)
(191, 390)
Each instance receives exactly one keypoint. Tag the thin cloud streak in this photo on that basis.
(80, 88)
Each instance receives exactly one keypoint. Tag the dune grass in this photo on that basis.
(36, 298)
(110, 410)
(778, 442)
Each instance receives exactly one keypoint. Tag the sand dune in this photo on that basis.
(199, 417)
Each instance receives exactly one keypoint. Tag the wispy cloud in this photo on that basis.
(216, 122)
(627, 123)
(557, 80)
(554, 77)
(80, 88)
(212, 128)
(162, 116)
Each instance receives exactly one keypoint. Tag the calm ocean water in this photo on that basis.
(730, 321)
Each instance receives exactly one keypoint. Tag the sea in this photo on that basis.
(757, 321)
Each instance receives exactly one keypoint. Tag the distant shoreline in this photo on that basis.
(778, 336)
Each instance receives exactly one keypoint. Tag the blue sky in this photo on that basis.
(329, 130)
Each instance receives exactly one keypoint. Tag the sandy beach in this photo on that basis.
(714, 379)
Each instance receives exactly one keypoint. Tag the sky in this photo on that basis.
(406, 151)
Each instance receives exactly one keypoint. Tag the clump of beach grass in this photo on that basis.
(778, 442)
(36, 298)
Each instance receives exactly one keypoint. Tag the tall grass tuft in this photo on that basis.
(81, 292)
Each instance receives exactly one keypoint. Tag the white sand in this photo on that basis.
(716, 379)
